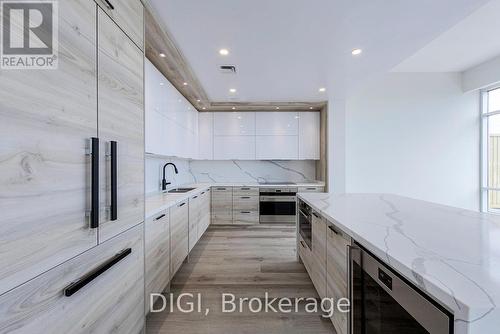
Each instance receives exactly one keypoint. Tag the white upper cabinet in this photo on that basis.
(171, 121)
(234, 124)
(277, 148)
(277, 123)
(206, 135)
(309, 135)
(234, 148)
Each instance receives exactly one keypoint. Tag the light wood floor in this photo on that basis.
(246, 261)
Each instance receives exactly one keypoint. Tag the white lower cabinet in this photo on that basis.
(336, 268)
(157, 259)
(99, 291)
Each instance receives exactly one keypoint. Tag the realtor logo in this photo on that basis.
(29, 34)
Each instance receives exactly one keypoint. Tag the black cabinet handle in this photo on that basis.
(195, 197)
(114, 181)
(160, 216)
(333, 230)
(245, 197)
(302, 244)
(315, 215)
(94, 206)
(182, 204)
(246, 212)
(86, 279)
(109, 5)
(221, 189)
(245, 188)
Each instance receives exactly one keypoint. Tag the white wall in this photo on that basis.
(415, 135)
(336, 157)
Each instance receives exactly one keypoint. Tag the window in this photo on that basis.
(490, 138)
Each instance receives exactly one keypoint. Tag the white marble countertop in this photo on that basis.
(452, 254)
(159, 201)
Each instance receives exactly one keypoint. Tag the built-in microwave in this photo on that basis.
(384, 302)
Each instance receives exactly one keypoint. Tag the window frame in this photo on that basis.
(484, 150)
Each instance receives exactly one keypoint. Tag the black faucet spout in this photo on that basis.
(164, 182)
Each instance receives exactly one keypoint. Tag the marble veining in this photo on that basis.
(451, 254)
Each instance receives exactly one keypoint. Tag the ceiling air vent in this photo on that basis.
(227, 69)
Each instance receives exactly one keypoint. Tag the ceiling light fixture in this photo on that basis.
(310, 108)
(234, 108)
(203, 108)
(322, 90)
(223, 52)
(163, 55)
(185, 83)
(161, 83)
(277, 108)
(198, 100)
(357, 52)
(232, 90)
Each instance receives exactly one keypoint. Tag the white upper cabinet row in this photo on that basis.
(175, 128)
(171, 121)
(259, 135)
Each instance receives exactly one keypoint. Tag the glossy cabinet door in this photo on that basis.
(277, 123)
(194, 219)
(157, 255)
(222, 205)
(234, 123)
(155, 106)
(179, 235)
(234, 148)
(277, 148)
(112, 302)
(121, 119)
(336, 264)
(309, 135)
(47, 118)
(205, 136)
(318, 261)
(128, 14)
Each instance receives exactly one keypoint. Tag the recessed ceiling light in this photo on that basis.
(322, 90)
(223, 52)
(161, 83)
(277, 108)
(356, 52)
(203, 108)
(185, 83)
(297, 117)
(239, 117)
(163, 55)
(234, 108)
(198, 100)
(232, 90)
(311, 108)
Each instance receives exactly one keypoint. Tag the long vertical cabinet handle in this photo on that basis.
(114, 181)
(350, 282)
(94, 210)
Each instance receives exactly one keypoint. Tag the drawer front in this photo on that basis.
(245, 217)
(305, 254)
(157, 242)
(336, 265)
(222, 206)
(246, 191)
(248, 203)
(318, 260)
(179, 232)
(312, 189)
(111, 302)
(223, 190)
(128, 15)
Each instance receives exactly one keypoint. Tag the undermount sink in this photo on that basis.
(180, 190)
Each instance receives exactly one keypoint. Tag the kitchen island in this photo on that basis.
(452, 255)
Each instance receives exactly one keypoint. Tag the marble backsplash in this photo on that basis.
(251, 171)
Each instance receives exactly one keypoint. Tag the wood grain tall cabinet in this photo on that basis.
(65, 268)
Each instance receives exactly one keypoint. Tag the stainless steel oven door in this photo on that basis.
(278, 209)
(384, 302)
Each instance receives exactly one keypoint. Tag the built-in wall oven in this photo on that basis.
(278, 205)
(383, 302)
(305, 223)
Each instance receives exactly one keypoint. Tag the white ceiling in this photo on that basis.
(285, 50)
(469, 43)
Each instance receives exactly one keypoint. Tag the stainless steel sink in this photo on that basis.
(180, 190)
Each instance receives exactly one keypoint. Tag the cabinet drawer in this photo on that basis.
(222, 190)
(128, 15)
(113, 301)
(245, 191)
(157, 242)
(312, 189)
(305, 254)
(246, 203)
(245, 217)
